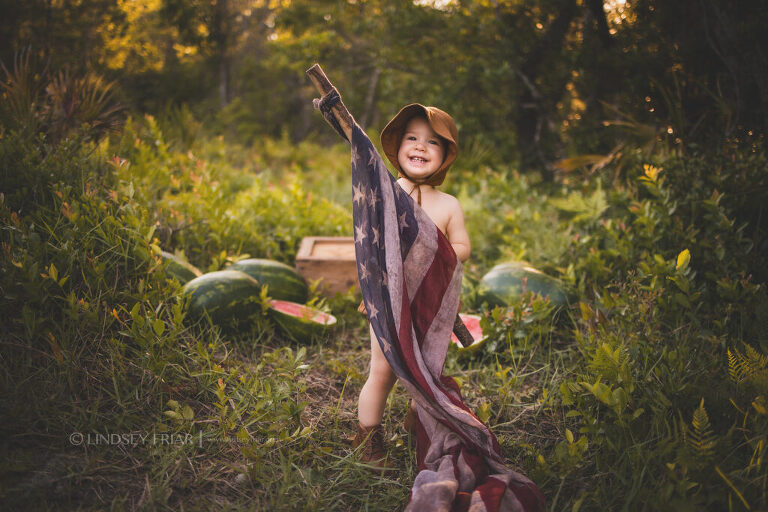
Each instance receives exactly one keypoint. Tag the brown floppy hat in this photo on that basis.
(441, 123)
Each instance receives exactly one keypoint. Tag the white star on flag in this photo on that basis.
(364, 272)
(401, 221)
(372, 312)
(373, 199)
(373, 160)
(359, 194)
(360, 234)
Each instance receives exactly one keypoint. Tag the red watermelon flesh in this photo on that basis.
(472, 322)
(300, 322)
(303, 312)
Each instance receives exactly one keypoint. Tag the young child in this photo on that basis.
(422, 143)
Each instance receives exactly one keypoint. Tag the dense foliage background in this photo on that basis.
(619, 146)
(557, 78)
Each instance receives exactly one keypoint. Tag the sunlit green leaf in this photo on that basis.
(683, 259)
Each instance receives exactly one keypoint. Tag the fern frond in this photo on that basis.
(748, 368)
(758, 366)
(610, 361)
(755, 358)
(702, 439)
(735, 366)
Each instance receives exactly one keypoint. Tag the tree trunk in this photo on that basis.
(224, 81)
(370, 97)
(598, 13)
(221, 35)
(532, 108)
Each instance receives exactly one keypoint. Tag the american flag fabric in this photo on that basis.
(410, 278)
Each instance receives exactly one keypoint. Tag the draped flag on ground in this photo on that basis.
(411, 281)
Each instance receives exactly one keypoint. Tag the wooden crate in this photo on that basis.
(331, 259)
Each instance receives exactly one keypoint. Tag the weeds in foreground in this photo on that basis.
(648, 393)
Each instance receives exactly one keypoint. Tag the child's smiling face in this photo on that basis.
(421, 150)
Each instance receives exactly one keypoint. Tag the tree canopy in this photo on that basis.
(528, 82)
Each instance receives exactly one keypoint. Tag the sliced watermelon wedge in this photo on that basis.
(299, 321)
(472, 322)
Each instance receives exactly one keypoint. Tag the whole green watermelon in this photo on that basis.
(283, 281)
(178, 268)
(506, 283)
(225, 295)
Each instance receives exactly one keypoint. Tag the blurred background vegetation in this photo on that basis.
(619, 146)
(528, 82)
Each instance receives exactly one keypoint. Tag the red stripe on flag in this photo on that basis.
(528, 495)
(461, 502)
(429, 297)
(450, 383)
(405, 344)
(423, 442)
(491, 492)
(476, 463)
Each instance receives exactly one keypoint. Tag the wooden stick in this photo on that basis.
(340, 112)
(462, 333)
(347, 122)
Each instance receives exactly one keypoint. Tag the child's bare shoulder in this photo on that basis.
(448, 202)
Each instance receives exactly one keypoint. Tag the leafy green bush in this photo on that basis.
(94, 339)
(667, 286)
(505, 216)
(655, 389)
(60, 105)
(214, 211)
(648, 393)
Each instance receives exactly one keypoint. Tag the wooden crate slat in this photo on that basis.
(331, 259)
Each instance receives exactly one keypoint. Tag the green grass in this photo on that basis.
(648, 393)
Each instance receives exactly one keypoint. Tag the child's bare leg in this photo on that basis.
(373, 396)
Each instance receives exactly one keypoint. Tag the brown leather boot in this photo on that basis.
(411, 418)
(373, 452)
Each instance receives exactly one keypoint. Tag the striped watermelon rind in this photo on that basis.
(300, 322)
(283, 281)
(178, 268)
(225, 295)
(504, 285)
